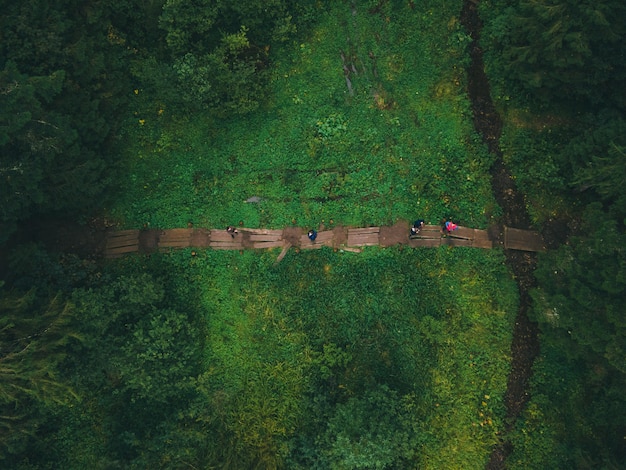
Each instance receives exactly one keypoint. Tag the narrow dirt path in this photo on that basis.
(525, 344)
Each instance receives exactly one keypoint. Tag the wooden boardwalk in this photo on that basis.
(120, 243)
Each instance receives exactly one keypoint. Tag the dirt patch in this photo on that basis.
(149, 240)
(340, 236)
(394, 235)
(292, 235)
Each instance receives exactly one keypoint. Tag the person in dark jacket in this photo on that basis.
(312, 235)
(418, 225)
(232, 230)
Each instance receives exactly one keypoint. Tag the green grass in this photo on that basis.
(401, 147)
(433, 325)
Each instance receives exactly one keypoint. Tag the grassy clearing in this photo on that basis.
(289, 345)
(401, 146)
(430, 324)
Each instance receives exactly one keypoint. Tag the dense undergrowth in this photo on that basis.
(563, 140)
(400, 145)
(228, 360)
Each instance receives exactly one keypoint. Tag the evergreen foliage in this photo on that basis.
(61, 76)
(34, 340)
(559, 50)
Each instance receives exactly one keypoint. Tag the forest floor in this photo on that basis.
(525, 344)
(88, 240)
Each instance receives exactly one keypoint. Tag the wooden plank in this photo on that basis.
(260, 237)
(482, 243)
(429, 231)
(223, 236)
(362, 243)
(123, 239)
(462, 232)
(176, 234)
(363, 230)
(118, 243)
(352, 241)
(200, 238)
(312, 246)
(524, 240)
(261, 231)
(122, 250)
(365, 236)
(371, 239)
(481, 234)
(324, 238)
(230, 241)
(481, 239)
(122, 233)
(125, 236)
(175, 238)
(121, 243)
(283, 253)
(267, 245)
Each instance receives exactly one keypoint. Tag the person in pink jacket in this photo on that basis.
(449, 227)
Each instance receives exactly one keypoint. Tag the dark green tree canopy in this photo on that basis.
(564, 48)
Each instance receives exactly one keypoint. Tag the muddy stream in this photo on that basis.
(525, 344)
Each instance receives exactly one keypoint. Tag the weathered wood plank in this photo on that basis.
(122, 233)
(176, 233)
(325, 238)
(429, 231)
(134, 236)
(263, 245)
(312, 246)
(122, 250)
(115, 239)
(463, 232)
(112, 244)
(200, 238)
(363, 243)
(363, 230)
(260, 237)
(134, 245)
(482, 243)
(354, 240)
(524, 240)
(222, 235)
(283, 253)
(261, 231)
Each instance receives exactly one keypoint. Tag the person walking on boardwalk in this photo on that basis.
(449, 227)
(418, 225)
(232, 230)
(312, 235)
